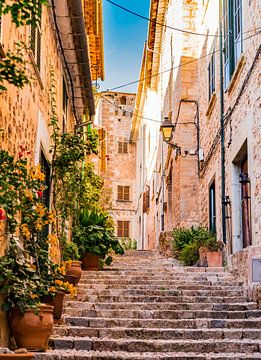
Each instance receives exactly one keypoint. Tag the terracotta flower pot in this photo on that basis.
(212, 258)
(57, 302)
(75, 270)
(90, 262)
(71, 279)
(32, 331)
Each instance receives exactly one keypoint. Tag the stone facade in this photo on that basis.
(188, 93)
(25, 113)
(117, 157)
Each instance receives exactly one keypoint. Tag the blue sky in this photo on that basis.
(124, 36)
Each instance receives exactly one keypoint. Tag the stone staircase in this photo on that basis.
(148, 307)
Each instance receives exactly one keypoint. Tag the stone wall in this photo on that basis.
(165, 244)
(24, 113)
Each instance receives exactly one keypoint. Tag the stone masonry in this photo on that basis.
(148, 307)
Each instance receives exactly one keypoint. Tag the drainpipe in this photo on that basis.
(222, 134)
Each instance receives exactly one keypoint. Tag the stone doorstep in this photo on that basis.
(161, 333)
(108, 355)
(168, 314)
(135, 345)
(74, 305)
(254, 323)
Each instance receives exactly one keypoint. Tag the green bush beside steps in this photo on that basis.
(187, 242)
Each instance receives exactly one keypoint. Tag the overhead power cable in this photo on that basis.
(178, 66)
(167, 26)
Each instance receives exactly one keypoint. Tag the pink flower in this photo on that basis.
(40, 193)
(2, 215)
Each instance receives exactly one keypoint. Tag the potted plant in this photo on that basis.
(210, 252)
(95, 238)
(27, 272)
(31, 321)
(70, 254)
(197, 246)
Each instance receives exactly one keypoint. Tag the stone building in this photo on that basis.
(117, 157)
(209, 88)
(62, 78)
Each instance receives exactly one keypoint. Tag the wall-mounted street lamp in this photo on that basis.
(167, 129)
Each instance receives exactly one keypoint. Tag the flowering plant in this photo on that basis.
(26, 272)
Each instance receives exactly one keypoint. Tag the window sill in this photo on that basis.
(123, 201)
(236, 74)
(36, 70)
(211, 104)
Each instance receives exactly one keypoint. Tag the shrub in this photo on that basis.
(187, 241)
(70, 251)
(181, 237)
(190, 254)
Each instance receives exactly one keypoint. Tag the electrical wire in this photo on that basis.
(167, 26)
(178, 66)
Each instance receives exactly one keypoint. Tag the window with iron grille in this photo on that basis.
(122, 147)
(45, 168)
(123, 193)
(36, 43)
(123, 229)
(232, 28)
(211, 76)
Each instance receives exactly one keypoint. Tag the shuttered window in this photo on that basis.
(232, 28)
(45, 168)
(123, 229)
(123, 193)
(211, 76)
(36, 42)
(123, 147)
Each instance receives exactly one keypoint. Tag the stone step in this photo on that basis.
(164, 333)
(175, 298)
(193, 285)
(254, 323)
(161, 292)
(112, 355)
(167, 314)
(80, 305)
(140, 345)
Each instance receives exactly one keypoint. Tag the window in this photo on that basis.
(45, 168)
(123, 100)
(212, 208)
(122, 147)
(245, 202)
(36, 43)
(123, 112)
(232, 27)
(123, 193)
(65, 106)
(146, 199)
(116, 112)
(211, 76)
(123, 229)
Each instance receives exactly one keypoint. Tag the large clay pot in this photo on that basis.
(75, 270)
(71, 279)
(212, 258)
(32, 331)
(57, 302)
(90, 262)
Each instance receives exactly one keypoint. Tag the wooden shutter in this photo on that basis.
(237, 12)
